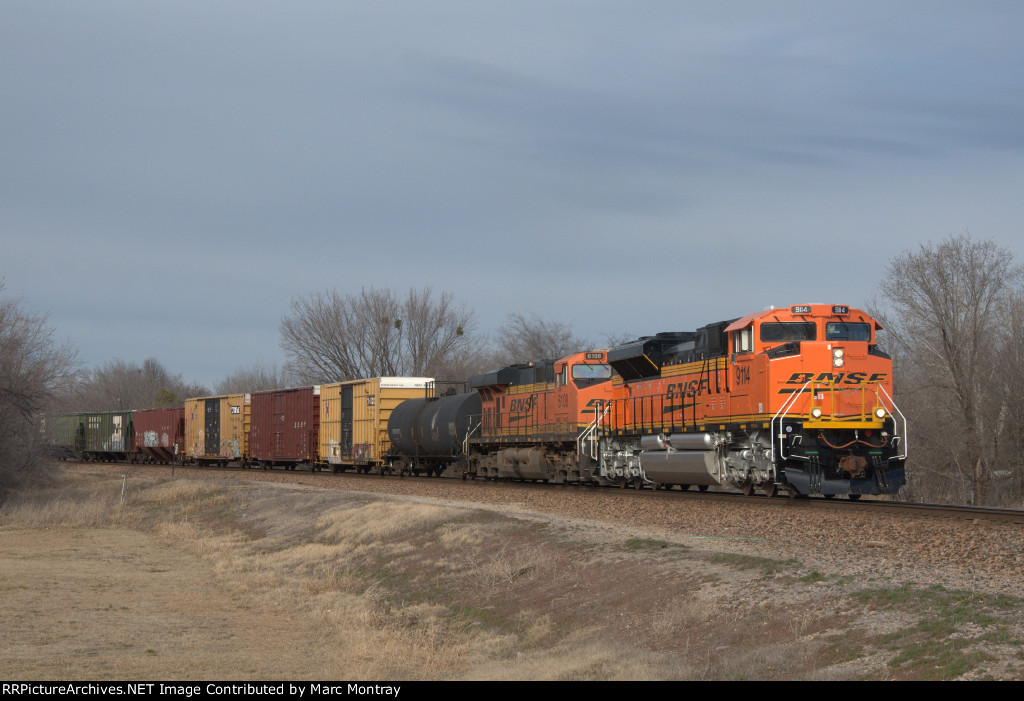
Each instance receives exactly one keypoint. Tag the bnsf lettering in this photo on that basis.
(523, 405)
(686, 389)
(853, 378)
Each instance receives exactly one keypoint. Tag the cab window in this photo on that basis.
(743, 340)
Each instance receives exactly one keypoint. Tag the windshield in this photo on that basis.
(843, 331)
(586, 375)
(785, 331)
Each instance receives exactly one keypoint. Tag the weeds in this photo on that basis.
(943, 643)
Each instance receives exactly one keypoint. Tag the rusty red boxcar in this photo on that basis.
(160, 434)
(285, 426)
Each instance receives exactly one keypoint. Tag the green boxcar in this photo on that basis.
(65, 435)
(108, 435)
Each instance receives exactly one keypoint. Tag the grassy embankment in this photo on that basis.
(191, 579)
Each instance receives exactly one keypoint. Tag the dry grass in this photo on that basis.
(225, 580)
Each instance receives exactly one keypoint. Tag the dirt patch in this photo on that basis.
(111, 603)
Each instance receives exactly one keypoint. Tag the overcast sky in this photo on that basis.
(172, 174)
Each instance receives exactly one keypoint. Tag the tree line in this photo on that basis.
(326, 337)
(953, 313)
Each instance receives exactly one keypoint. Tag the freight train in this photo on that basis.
(795, 400)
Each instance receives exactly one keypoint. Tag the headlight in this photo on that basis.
(816, 412)
(880, 413)
(838, 358)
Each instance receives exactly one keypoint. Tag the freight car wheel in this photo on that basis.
(702, 487)
(854, 497)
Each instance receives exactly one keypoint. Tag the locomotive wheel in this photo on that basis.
(638, 483)
(748, 489)
(702, 487)
(772, 491)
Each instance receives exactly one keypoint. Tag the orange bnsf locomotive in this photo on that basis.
(796, 399)
(541, 420)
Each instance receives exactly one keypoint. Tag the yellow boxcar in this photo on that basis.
(217, 429)
(354, 419)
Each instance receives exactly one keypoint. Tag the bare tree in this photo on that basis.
(613, 339)
(950, 305)
(1011, 400)
(254, 378)
(33, 368)
(122, 385)
(525, 339)
(328, 337)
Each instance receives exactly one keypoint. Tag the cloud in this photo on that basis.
(649, 166)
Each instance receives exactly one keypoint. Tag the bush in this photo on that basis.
(33, 367)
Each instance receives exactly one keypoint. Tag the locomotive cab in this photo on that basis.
(815, 373)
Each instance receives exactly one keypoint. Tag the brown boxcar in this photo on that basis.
(217, 429)
(285, 426)
(160, 434)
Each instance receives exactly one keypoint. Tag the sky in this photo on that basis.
(173, 174)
